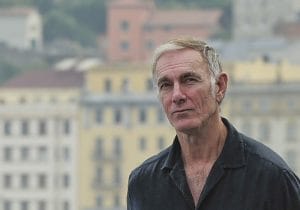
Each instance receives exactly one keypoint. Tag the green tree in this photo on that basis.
(90, 13)
(59, 25)
(7, 70)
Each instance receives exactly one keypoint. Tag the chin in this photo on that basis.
(185, 126)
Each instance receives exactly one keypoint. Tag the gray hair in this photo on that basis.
(206, 51)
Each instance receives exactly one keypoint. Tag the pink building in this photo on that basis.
(136, 27)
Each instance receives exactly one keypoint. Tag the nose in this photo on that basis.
(178, 96)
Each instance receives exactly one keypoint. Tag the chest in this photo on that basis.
(196, 179)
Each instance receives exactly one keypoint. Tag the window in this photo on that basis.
(142, 144)
(99, 149)
(41, 205)
(117, 147)
(99, 201)
(117, 175)
(150, 45)
(107, 86)
(124, 46)
(66, 154)
(124, 25)
(7, 128)
(264, 131)
(66, 205)
(161, 143)
(42, 128)
(142, 115)
(99, 116)
(66, 181)
(7, 205)
(118, 116)
(99, 176)
(7, 181)
(24, 153)
(24, 127)
(33, 43)
(117, 201)
(7, 154)
(42, 181)
(291, 131)
(24, 181)
(24, 205)
(22, 100)
(125, 85)
(67, 127)
(149, 84)
(160, 115)
(42, 153)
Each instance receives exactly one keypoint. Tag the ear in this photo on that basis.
(221, 84)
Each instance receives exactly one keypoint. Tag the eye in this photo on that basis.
(190, 79)
(164, 85)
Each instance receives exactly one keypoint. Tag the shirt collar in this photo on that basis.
(232, 155)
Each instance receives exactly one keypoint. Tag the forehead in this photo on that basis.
(183, 59)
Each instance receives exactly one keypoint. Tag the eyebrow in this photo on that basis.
(162, 79)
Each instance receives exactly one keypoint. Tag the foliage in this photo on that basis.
(91, 13)
(83, 20)
(59, 25)
(193, 3)
(7, 70)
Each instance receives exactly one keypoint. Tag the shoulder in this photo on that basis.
(263, 154)
(149, 167)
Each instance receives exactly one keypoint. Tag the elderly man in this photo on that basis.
(210, 165)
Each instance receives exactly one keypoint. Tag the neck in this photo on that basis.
(204, 146)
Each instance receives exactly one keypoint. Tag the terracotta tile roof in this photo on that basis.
(130, 3)
(46, 79)
(185, 17)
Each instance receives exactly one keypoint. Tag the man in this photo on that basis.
(210, 166)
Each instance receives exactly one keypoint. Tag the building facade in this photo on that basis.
(257, 19)
(136, 27)
(122, 124)
(21, 28)
(70, 142)
(39, 142)
(263, 102)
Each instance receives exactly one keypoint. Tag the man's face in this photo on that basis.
(185, 89)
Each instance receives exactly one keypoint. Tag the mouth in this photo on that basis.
(181, 111)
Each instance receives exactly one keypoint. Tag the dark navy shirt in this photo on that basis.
(246, 176)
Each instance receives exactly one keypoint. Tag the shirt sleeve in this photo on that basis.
(289, 194)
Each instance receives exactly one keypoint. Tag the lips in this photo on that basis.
(181, 111)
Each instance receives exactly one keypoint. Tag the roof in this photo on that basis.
(187, 17)
(17, 11)
(46, 79)
(131, 3)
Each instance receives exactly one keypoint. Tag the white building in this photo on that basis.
(21, 28)
(257, 18)
(39, 138)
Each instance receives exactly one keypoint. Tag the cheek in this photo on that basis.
(166, 102)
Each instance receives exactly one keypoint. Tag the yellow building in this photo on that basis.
(122, 124)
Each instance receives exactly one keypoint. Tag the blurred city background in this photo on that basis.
(78, 110)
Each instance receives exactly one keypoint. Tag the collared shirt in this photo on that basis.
(246, 176)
